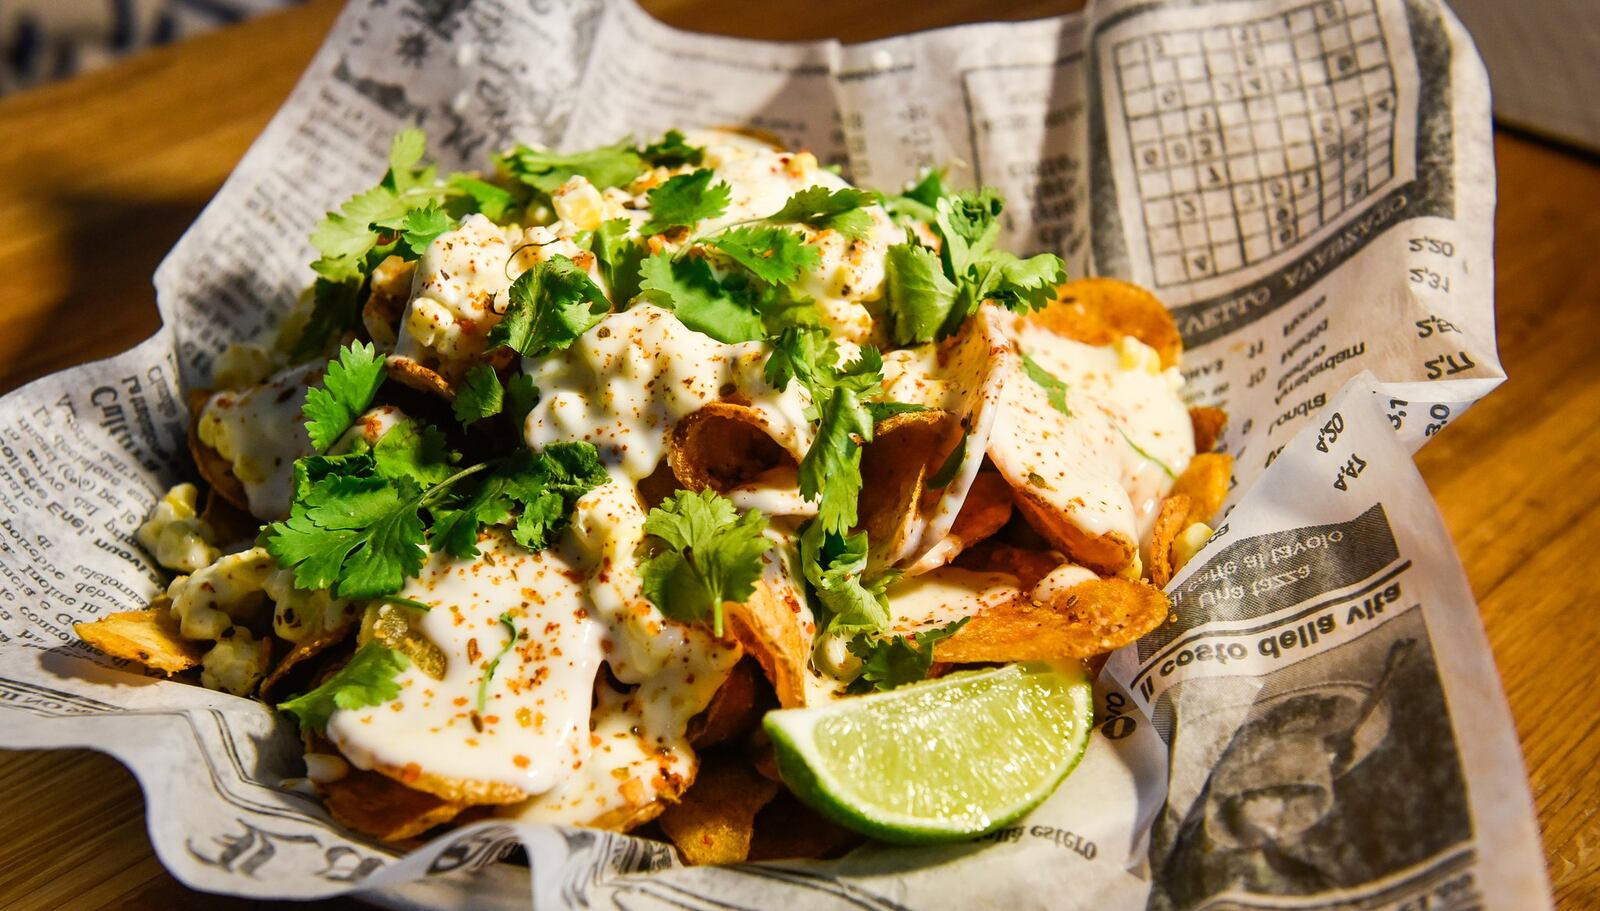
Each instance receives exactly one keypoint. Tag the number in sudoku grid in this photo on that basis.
(1248, 137)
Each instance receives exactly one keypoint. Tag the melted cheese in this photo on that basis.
(1089, 465)
(627, 381)
(260, 433)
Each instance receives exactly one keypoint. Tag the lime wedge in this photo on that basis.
(945, 760)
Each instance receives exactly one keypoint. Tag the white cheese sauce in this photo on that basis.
(1089, 465)
(260, 433)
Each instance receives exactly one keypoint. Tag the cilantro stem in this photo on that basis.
(430, 494)
(405, 602)
(1136, 448)
(488, 671)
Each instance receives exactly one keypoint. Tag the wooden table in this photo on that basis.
(100, 175)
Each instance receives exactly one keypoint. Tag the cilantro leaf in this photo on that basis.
(494, 202)
(552, 304)
(686, 200)
(839, 210)
(711, 555)
(336, 306)
(521, 396)
(1054, 389)
(893, 661)
(920, 295)
(619, 256)
(671, 151)
(412, 449)
(545, 171)
(830, 473)
(359, 536)
(480, 395)
(917, 202)
(690, 289)
(419, 227)
(367, 679)
(349, 384)
(774, 255)
(835, 565)
(543, 486)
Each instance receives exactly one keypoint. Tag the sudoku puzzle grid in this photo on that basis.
(1250, 136)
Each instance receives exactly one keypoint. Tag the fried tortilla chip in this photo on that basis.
(1028, 565)
(722, 445)
(384, 808)
(735, 709)
(905, 449)
(986, 510)
(1170, 521)
(1087, 619)
(1208, 425)
(464, 791)
(216, 470)
(788, 829)
(775, 627)
(406, 371)
(148, 636)
(298, 656)
(976, 363)
(1098, 311)
(1205, 482)
(1107, 553)
(228, 522)
(714, 820)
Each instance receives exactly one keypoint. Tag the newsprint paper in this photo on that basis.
(1307, 184)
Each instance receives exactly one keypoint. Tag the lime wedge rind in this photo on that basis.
(947, 760)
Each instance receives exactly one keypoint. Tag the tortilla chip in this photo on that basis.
(297, 656)
(736, 708)
(408, 372)
(1089, 618)
(148, 636)
(1208, 425)
(905, 449)
(787, 828)
(464, 791)
(228, 522)
(383, 808)
(723, 445)
(1028, 565)
(1106, 554)
(985, 511)
(979, 360)
(1098, 311)
(715, 819)
(624, 819)
(217, 471)
(1169, 523)
(1205, 482)
(776, 629)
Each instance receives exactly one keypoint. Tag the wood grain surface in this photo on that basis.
(99, 176)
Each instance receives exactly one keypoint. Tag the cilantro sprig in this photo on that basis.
(348, 387)
(710, 554)
(830, 473)
(835, 565)
(538, 489)
(888, 662)
(686, 200)
(494, 663)
(551, 305)
(930, 295)
(367, 679)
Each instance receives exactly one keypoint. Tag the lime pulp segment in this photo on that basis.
(943, 760)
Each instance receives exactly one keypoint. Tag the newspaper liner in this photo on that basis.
(1308, 185)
